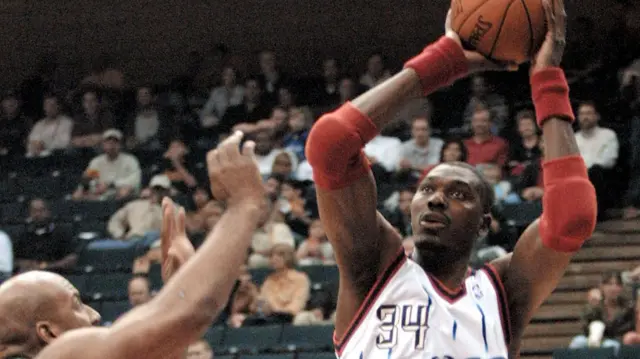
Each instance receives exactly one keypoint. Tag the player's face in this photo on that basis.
(446, 211)
(70, 312)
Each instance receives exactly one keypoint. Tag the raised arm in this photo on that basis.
(364, 242)
(199, 290)
(569, 203)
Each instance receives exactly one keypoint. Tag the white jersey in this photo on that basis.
(410, 314)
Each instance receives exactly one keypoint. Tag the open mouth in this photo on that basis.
(432, 222)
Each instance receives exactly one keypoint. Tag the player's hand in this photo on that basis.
(476, 61)
(234, 174)
(552, 49)
(175, 245)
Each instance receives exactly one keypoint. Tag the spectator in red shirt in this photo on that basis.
(484, 147)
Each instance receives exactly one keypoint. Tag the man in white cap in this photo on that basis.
(141, 216)
(113, 174)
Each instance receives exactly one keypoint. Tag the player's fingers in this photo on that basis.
(248, 149)
(548, 12)
(180, 223)
(447, 22)
(167, 231)
(230, 147)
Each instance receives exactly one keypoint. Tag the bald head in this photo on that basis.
(37, 307)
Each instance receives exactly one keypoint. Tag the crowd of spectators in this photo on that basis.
(144, 142)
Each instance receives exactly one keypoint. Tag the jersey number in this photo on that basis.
(413, 319)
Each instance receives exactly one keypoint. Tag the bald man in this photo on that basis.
(42, 316)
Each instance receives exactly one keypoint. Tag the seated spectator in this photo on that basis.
(140, 216)
(483, 146)
(14, 126)
(409, 245)
(316, 249)
(421, 150)
(268, 235)
(265, 151)
(599, 147)
(89, 126)
(300, 120)
(501, 188)
(244, 300)
(347, 91)
(228, 94)
(453, 150)
(633, 337)
(284, 164)
(285, 292)
(286, 97)
(178, 167)
(51, 133)
(483, 95)
(139, 290)
(297, 211)
(531, 185)
(325, 89)
(113, 174)
(607, 321)
(384, 151)
(198, 220)
(6, 256)
(526, 149)
(273, 186)
(199, 350)
(376, 71)
(400, 216)
(44, 245)
(251, 110)
(147, 128)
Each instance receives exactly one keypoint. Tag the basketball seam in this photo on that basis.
(526, 11)
(469, 14)
(504, 19)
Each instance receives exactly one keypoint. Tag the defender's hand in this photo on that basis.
(476, 61)
(552, 49)
(175, 245)
(234, 175)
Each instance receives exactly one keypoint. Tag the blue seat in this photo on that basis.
(108, 256)
(307, 338)
(321, 273)
(15, 212)
(323, 355)
(593, 353)
(629, 352)
(251, 339)
(79, 281)
(111, 311)
(267, 356)
(214, 336)
(108, 286)
(259, 275)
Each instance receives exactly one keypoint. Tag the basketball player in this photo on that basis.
(432, 306)
(41, 315)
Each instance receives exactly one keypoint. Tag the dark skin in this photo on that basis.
(60, 325)
(365, 243)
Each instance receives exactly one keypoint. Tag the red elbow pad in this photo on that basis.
(334, 147)
(569, 204)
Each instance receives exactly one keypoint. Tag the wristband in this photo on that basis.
(439, 65)
(550, 93)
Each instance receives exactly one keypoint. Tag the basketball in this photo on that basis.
(503, 30)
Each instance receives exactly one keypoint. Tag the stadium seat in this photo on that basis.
(595, 353)
(13, 212)
(324, 355)
(321, 273)
(111, 311)
(14, 231)
(251, 339)
(267, 356)
(85, 210)
(307, 338)
(259, 275)
(79, 281)
(225, 357)
(627, 352)
(108, 286)
(91, 226)
(107, 256)
(30, 187)
(520, 215)
(214, 336)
